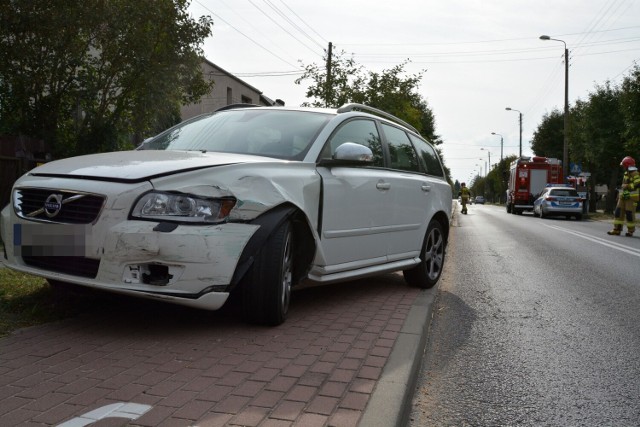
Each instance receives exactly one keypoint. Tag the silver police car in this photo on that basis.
(558, 201)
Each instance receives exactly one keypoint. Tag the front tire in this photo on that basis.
(426, 274)
(267, 286)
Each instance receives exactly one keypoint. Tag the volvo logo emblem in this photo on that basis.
(52, 205)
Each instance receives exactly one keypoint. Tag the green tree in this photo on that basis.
(391, 91)
(630, 112)
(548, 138)
(98, 75)
(597, 133)
(345, 85)
(494, 186)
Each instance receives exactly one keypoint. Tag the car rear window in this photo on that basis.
(564, 193)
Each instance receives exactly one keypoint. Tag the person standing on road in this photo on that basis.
(464, 194)
(627, 199)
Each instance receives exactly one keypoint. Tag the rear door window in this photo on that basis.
(429, 157)
(402, 154)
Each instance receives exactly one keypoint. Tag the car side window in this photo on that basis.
(359, 131)
(429, 156)
(403, 155)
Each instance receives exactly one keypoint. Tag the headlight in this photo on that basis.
(182, 208)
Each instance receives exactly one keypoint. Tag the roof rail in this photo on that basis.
(232, 106)
(371, 110)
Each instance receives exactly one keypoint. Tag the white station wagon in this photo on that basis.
(247, 199)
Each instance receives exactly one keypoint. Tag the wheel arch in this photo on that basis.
(443, 219)
(269, 222)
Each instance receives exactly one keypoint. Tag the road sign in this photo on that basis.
(575, 168)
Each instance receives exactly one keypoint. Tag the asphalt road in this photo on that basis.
(536, 322)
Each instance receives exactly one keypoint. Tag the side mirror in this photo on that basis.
(350, 153)
(353, 152)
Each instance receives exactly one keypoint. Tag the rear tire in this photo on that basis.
(426, 274)
(267, 286)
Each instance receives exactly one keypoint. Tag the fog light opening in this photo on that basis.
(158, 275)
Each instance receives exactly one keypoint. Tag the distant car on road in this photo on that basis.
(558, 201)
(247, 200)
(479, 200)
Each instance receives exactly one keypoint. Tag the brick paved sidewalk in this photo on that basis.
(320, 368)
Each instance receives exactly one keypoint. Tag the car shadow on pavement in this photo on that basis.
(115, 314)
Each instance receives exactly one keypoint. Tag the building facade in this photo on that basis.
(227, 90)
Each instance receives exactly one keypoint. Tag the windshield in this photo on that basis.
(261, 131)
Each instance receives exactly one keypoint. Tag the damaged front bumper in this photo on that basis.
(191, 265)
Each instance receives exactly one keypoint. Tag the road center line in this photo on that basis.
(613, 245)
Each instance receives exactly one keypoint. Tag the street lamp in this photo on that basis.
(489, 153)
(485, 167)
(565, 145)
(501, 143)
(519, 112)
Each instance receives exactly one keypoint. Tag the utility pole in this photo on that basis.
(565, 145)
(520, 113)
(329, 83)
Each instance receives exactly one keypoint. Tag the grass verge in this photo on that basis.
(27, 300)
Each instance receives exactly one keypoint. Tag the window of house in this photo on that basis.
(229, 96)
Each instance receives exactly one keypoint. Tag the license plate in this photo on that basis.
(50, 239)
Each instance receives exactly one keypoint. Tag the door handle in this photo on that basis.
(426, 188)
(383, 186)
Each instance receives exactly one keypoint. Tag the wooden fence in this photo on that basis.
(18, 155)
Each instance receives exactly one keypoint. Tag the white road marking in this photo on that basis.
(127, 410)
(599, 240)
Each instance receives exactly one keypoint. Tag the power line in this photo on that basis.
(282, 28)
(249, 24)
(304, 22)
(293, 24)
(601, 20)
(634, 63)
(269, 73)
(493, 52)
(244, 35)
(481, 41)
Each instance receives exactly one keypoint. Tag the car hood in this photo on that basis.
(132, 166)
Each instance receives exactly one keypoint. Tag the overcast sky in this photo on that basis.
(480, 56)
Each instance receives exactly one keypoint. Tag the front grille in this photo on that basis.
(67, 208)
(73, 265)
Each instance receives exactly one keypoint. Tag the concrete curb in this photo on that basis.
(390, 403)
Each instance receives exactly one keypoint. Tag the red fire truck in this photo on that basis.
(527, 178)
